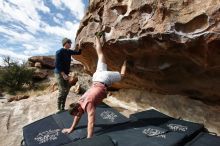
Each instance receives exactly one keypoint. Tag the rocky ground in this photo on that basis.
(15, 115)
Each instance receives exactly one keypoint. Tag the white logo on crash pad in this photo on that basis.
(151, 132)
(176, 127)
(46, 136)
(109, 115)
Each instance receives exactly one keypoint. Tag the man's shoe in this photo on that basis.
(60, 111)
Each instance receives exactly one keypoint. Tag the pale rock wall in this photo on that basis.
(172, 46)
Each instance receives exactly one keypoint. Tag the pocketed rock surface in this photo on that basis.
(172, 47)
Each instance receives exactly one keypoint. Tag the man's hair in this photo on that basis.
(65, 40)
(73, 108)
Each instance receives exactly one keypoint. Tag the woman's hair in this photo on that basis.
(73, 108)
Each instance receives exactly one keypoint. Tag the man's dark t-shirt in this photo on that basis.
(63, 60)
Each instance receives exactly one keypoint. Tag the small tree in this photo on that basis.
(13, 76)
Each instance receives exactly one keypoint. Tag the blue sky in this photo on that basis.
(36, 27)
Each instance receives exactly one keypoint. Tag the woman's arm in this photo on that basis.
(91, 119)
(75, 122)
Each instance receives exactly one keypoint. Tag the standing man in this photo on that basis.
(62, 69)
(102, 79)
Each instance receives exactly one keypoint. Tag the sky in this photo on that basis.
(36, 27)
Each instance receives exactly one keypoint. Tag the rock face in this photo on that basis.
(173, 105)
(40, 74)
(16, 114)
(172, 47)
(42, 61)
(17, 98)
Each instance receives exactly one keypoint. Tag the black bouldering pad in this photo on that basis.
(150, 117)
(102, 140)
(144, 136)
(190, 129)
(205, 139)
(47, 131)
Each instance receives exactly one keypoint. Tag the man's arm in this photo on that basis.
(91, 119)
(79, 50)
(75, 52)
(65, 77)
(75, 122)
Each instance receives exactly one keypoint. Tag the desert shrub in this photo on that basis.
(14, 76)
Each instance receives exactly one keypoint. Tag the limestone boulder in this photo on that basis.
(45, 61)
(38, 65)
(1, 94)
(40, 74)
(172, 47)
(17, 98)
(72, 80)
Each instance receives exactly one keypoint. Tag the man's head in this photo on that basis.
(74, 109)
(66, 41)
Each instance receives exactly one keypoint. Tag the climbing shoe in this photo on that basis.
(99, 34)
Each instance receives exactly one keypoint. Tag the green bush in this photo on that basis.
(14, 77)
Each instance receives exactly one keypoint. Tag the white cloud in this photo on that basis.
(28, 47)
(22, 12)
(34, 50)
(25, 13)
(17, 28)
(36, 47)
(60, 16)
(76, 7)
(57, 20)
(43, 46)
(57, 3)
(13, 55)
(68, 30)
(22, 26)
(15, 36)
(40, 6)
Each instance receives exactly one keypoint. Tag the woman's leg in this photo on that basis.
(99, 51)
